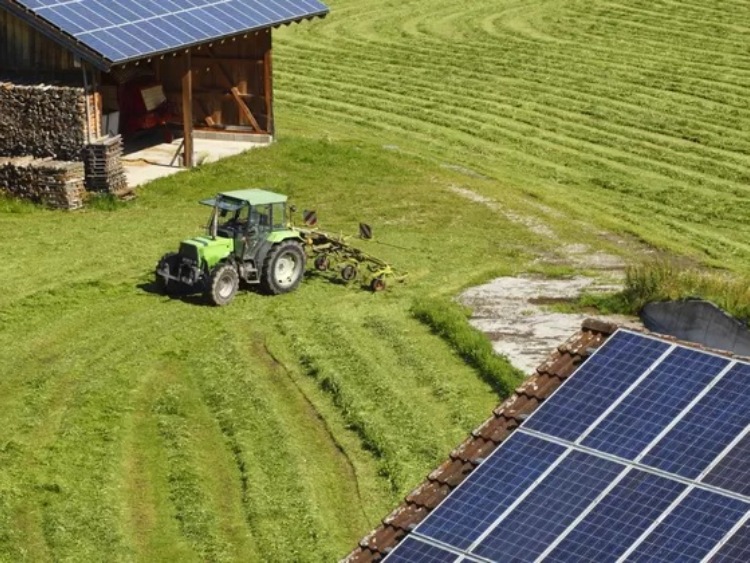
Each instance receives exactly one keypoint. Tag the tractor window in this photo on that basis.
(233, 218)
(263, 216)
(278, 216)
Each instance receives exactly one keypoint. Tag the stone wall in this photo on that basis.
(42, 121)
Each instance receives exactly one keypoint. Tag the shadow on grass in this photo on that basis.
(184, 294)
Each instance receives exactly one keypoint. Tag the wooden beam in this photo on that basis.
(244, 109)
(268, 89)
(187, 112)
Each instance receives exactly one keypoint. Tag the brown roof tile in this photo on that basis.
(482, 442)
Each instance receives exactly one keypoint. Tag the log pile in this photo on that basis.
(42, 120)
(104, 169)
(53, 183)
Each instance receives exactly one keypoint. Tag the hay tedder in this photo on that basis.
(252, 238)
(333, 253)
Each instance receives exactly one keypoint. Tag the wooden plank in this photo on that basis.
(268, 89)
(244, 110)
(216, 59)
(187, 111)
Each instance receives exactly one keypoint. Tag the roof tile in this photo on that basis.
(482, 442)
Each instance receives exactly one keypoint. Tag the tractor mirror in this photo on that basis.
(293, 208)
(310, 218)
(365, 231)
(223, 213)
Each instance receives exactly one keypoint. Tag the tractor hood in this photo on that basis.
(207, 250)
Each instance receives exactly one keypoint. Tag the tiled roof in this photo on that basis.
(482, 441)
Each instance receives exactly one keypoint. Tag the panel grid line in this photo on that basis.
(648, 531)
(592, 505)
(728, 536)
(447, 547)
(551, 547)
(565, 454)
(636, 465)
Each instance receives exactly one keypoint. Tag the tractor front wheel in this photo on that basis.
(283, 268)
(169, 262)
(223, 284)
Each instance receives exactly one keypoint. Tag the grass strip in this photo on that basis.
(451, 322)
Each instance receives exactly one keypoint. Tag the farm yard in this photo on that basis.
(139, 427)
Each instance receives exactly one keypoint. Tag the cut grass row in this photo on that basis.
(139, 427)
(605, 108)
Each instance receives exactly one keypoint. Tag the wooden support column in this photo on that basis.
(187, 111)
(268, 90)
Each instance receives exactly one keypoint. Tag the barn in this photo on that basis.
(76, 77)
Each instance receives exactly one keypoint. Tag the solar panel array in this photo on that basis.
(642, 455)
(124, 30)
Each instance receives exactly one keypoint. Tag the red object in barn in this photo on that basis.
(143, 105)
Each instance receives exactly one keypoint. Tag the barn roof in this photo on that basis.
(107, 33)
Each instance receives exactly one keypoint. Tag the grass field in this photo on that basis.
(136, 427)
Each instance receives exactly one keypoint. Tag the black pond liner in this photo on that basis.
(699, 321)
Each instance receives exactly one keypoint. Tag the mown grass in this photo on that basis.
(138, 427)
(141, 427)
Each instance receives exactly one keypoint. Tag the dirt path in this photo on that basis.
(516, 313)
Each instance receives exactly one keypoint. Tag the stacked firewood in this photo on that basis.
(53, 183)
(104, 169)
(42, 120)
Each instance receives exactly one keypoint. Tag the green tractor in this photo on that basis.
(249, 239)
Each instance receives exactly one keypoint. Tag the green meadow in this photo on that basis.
(138, 427)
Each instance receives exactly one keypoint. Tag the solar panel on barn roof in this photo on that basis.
(131, 29)
(642, 455)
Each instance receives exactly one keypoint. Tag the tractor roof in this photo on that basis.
(255, 196)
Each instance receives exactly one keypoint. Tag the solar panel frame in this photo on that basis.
(655, 402)
(707, 424)
(690, 529)
(596, 385)
(563, 494)
(108, 33)
(729, 473)
(465, 515)
(604, 532)
(413, 550)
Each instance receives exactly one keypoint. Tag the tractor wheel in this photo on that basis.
(223, 284)
(377, 284)
(322, 263)
(164, 285)
(283, 268)
(349, 272)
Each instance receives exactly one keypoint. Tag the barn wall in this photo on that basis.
(25, 50)
(235, 62)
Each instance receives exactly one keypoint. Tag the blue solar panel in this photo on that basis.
(651, 406)
(489, 490)
(619, 519)
(708, 428)
(537, 496)
(733, 472)
(596, 385)
(124, 30)
(692, 529)
(412, 550)
(737, 548)
(550, 508)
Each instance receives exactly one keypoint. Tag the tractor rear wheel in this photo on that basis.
(223, 284)
(283, 268)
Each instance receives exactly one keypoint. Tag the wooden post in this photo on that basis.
(187, 112)
(268, 91)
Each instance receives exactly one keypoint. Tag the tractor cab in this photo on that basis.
(246, 214)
